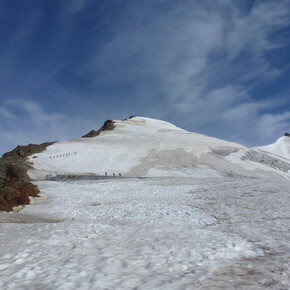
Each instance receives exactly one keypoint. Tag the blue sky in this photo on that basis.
(218, 67)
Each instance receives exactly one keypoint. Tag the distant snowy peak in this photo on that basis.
(281, 147)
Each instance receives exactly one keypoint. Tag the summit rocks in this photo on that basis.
(108, 125)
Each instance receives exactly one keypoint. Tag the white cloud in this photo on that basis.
(78, 5)
(26, 122)
(251, 31)
(269, 124)
(194, 63)
(5, 113)
(205, 59)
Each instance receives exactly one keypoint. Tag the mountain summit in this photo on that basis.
(145, 147)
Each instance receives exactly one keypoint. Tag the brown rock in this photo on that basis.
(91, 134)
(15, 184)
(108, 125)
(24, 151)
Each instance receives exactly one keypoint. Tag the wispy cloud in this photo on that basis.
(206, 61)
(24, 122)
(204, 65)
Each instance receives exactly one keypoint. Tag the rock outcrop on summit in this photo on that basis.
(108, 125)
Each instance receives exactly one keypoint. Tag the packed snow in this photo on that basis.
(281, 147)
(188, 212)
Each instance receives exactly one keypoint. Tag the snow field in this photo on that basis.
(205, 214)
(165, 233)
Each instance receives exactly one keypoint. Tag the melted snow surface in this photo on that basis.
(153, 233)
(147, 147)
(281, 147)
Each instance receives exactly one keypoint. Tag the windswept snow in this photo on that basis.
(281, 147)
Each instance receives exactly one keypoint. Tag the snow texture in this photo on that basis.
(153, 233)
(188, 212)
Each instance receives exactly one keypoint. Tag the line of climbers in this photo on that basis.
(68, 154)
(106, 174)
(62, 155)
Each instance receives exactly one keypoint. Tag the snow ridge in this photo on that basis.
(281, 147)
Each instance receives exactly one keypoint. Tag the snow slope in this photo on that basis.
(148, 147)
(281, 147)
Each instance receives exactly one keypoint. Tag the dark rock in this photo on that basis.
(15, 184)
(108, 125)
(92, 133)
(287, 134)
(131, 117)
(24, 151)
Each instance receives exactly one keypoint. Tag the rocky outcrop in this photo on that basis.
(92, 133)
(287, 134)
(15, 184)
(27, 150)
(131, 117)
(108, 125)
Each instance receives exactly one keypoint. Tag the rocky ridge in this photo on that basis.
(15, 184)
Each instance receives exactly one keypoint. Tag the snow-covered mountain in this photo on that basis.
(150, 148)
(209, 214)
(281, 147)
